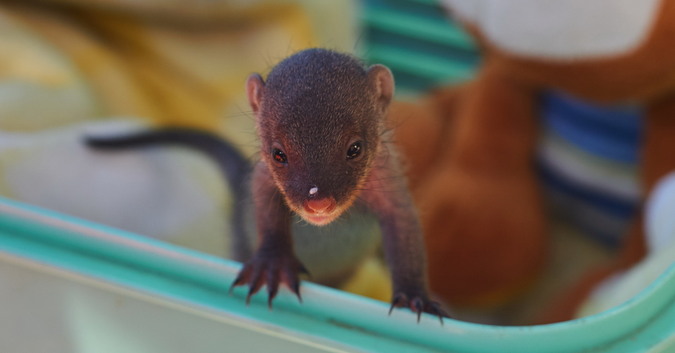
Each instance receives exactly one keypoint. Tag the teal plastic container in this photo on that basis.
(72, 286)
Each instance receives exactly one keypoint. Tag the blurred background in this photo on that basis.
(177, 62)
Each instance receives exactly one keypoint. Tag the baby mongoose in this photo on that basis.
(321, 119)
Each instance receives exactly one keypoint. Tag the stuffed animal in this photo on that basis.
(472, 268)
(482, 198)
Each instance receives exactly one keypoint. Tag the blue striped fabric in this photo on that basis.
(606, 131)
(588, 160)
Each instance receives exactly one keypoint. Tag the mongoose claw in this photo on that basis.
(418, 304)
(270, 271)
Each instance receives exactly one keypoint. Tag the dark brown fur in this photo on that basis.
(321, 121)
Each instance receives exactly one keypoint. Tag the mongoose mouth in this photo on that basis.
(320, 211)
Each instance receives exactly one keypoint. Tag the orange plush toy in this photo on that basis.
(484, 236)
(481, 198)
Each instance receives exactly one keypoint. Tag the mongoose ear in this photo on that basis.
(382, 81)
(254, 86)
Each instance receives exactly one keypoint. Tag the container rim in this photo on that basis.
(35, 233)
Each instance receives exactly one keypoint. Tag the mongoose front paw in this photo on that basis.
(270, 271)
(418, 303)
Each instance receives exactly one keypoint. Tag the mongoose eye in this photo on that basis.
(279, 156)
(354, 150)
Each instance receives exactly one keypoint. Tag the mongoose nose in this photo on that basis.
(313, 191)
(324, 205)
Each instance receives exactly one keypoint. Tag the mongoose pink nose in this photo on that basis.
(324, 205)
